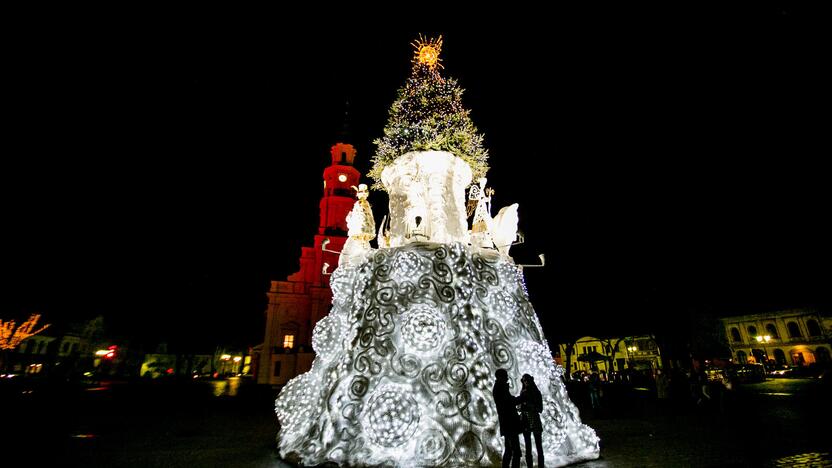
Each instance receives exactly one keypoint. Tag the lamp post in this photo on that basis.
(224, 358)
(764, 339)
(631, 349)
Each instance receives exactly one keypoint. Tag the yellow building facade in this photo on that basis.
(795, 337)
(604, 355)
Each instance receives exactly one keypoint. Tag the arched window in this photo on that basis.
(794, 330)
(752, 331)
(742, 358)
(814, 329)
(772, 330)
(735, 334)
(779, 357)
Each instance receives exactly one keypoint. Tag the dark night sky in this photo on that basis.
(161, 169)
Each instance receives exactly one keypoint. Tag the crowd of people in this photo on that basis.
(679, 388)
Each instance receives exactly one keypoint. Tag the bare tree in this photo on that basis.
(612, 344)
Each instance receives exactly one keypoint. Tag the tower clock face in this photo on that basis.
(342, 177)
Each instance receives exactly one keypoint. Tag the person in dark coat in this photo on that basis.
(531, 405)
(509, 420)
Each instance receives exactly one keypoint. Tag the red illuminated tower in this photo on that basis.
(339, 194)
(296, 305)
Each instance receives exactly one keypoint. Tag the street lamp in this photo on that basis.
(631, 349)
(225, 358)
(764, 339)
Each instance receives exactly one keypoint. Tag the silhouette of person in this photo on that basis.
(531, 405)
(509, 420)
(594, 391)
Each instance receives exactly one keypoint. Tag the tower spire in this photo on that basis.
(344, 134)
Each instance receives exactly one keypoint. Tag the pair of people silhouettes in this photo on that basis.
(527, 421)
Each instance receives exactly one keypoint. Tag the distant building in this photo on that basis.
(34, 353)
(590, 354)
(162, 365)
(297, 304)
(791, 337)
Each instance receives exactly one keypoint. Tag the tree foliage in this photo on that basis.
(428, 115)
(11, 336)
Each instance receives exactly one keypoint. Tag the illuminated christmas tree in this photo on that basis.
(428, 116)
(405, 359)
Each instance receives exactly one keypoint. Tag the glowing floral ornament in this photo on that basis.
(326, 337)
(423, 329)
(406, 266)
(427, 52)
(392, 417)
(298, 407)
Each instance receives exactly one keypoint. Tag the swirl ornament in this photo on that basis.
(554, 423)
(423, 329)
(433, 447)
(392, 417)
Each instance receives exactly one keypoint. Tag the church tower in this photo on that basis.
(299, 302)
(339, 195)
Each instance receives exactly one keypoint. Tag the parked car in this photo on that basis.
(780, 372)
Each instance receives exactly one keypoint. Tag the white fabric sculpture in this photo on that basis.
(361, 229)
(405, 360)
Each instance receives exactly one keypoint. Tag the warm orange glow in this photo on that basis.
(10, 336)
(427, 51)
(288, 341)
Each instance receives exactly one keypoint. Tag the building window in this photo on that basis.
(735, 334)
(288, 341)
(794, 330)
(277, 369)
(814, 329)
(742, 358)
(779, 357)
(74, 347)
(772, 330)
(65, 348)
(752, 331)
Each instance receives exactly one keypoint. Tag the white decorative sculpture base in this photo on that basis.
(405, 366)
(427, 197)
